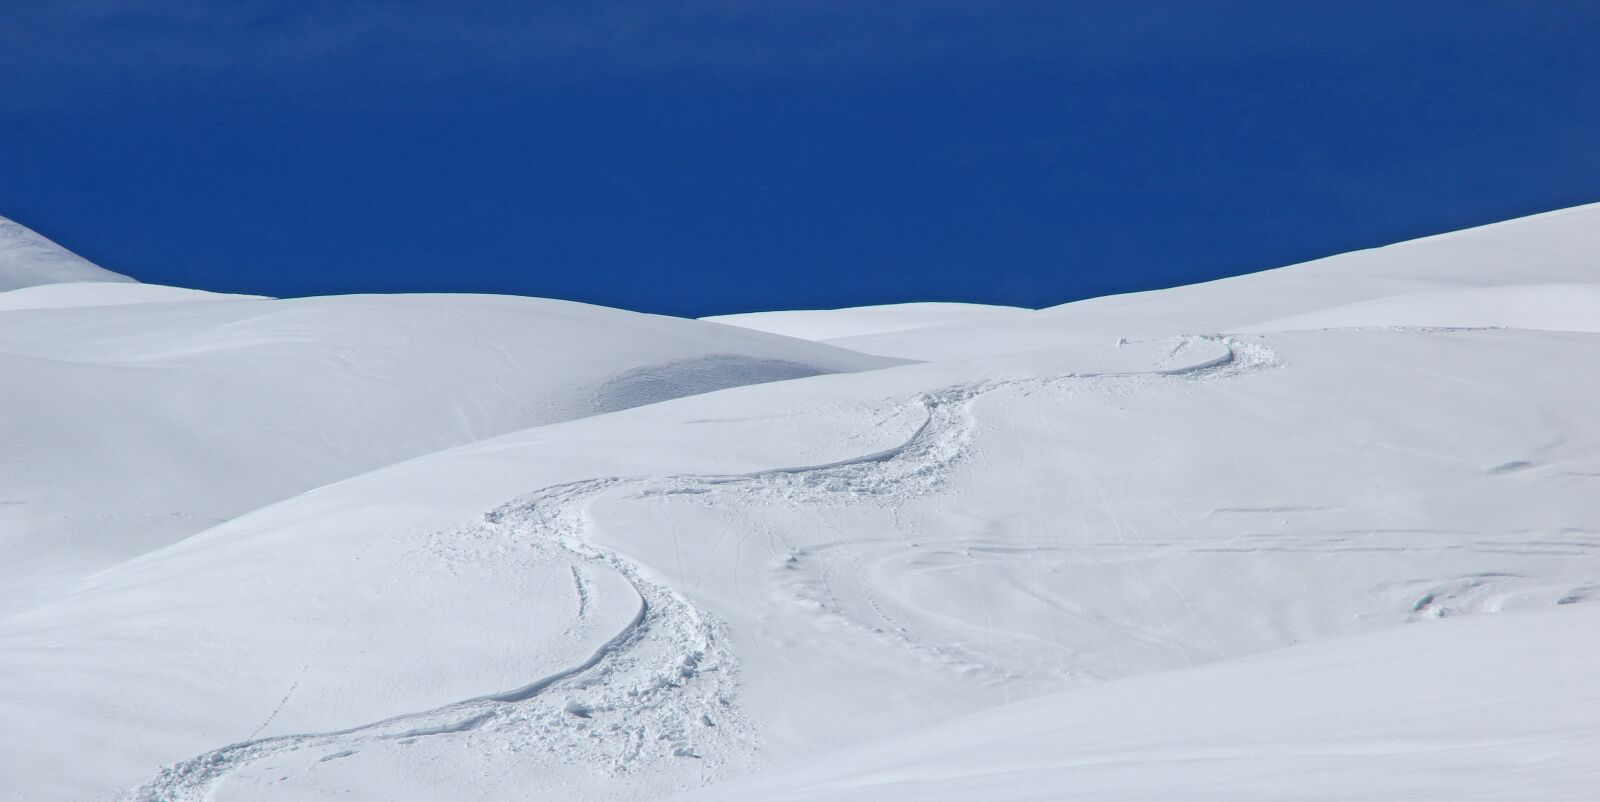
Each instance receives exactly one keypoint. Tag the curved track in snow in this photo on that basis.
(662, 688)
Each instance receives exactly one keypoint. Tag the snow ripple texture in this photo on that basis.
(664, 688)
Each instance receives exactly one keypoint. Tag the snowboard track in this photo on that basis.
(663, 689)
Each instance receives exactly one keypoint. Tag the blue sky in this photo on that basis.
(714, 156)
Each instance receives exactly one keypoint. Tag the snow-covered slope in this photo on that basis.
(660, 591)
(832, 324)
(28, 259)
(1552, 307)
(1500, 707)
(1158, 563)
(127, 427)
(103, 293)
(1557, 248)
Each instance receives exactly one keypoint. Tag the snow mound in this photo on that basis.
(830, 324)
(28, 259)
(130, 426)
(1561, 247)
(103, 293)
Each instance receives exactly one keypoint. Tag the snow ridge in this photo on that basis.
(28, 259)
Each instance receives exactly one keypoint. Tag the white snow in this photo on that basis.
(833, 324)
(131, 426)
(1561, 247)
(1483, 707)
(103, 293)
(28, 259)
(1098, 551)
(1552, 307)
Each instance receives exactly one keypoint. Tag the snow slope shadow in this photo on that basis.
(650, 384)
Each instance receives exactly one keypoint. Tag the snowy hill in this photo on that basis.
(130, 426)
(1557, 248)
(1098, 550)
(28, 259)
(833, 324)
(1405, 713)
(103, 293)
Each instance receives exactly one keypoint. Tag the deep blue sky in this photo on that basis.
(715, 156)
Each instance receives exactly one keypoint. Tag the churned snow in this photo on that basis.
(1330, 531)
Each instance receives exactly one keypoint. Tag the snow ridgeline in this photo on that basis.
(664, 688)
(29, 259)
(197, 410)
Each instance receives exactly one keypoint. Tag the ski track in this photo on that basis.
(664, 687)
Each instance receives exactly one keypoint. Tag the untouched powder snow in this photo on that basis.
(28, 259)
(130, 426)
(832, 324)
(1406, 713)
(1552, 307)
(1097, 551)
(1561, 247)
(103, 293)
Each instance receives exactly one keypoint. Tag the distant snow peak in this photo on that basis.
(28, 258)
